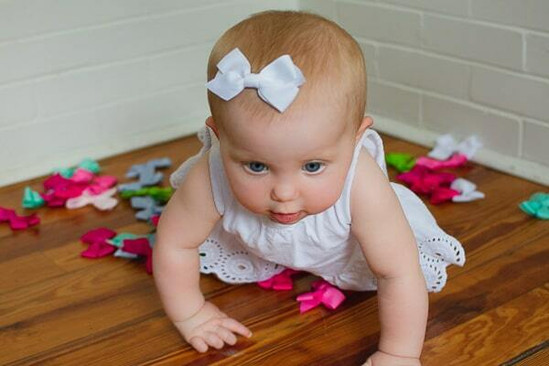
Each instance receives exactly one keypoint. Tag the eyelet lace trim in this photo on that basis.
(234, 266)
(435, 255)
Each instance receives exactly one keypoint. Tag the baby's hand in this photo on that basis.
(384, 359)
(210, 327)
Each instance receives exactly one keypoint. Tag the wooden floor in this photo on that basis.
(58, 308)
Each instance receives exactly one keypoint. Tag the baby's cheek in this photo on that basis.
(322, 197)
(250, 196)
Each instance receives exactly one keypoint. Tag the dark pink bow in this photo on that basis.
(59, 190)
(97, 240)
(423, 180)
(139, 246)
(17, 222)
(323, 293)
(455, 161)
(279, 282)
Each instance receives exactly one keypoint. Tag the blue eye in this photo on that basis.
(255, 167)
(313, 167)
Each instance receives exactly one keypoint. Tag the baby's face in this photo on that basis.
(290, 168)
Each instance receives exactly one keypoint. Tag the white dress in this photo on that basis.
(245, 247)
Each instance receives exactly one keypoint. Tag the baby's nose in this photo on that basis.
(284, 192)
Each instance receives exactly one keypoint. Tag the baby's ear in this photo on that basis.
(366, 123)
(211, 124)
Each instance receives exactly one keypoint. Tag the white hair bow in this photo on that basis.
(277, 84)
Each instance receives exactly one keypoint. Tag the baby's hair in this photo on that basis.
(330, 59)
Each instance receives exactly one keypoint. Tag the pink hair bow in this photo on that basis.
(424, 181)
(97, 240)
(101, 184)
(279, 282)
(17, 222)
(455, 161)
(139, 246)
(82, 176)
(103, 201)
(324, 293)
(59, 189)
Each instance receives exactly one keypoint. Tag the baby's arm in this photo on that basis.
(186, 222)
(387, 241)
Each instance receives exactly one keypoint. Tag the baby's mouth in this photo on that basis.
(285, 218)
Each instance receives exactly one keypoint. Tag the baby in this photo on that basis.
(291, 176)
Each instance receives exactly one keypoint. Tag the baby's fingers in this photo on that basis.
(213, 340)
(226, 335)
(236, 327)
(198, 344)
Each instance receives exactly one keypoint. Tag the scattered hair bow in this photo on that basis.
(140, 247)
(446, 146)
(279, 282)
(277, 83)
(32, 199)
(146, 174)
(98, 245)
(468, 191)
(103, 201)
(17, 222)
(455, 161)
(148, 207)
(323, 293)
(537, 206)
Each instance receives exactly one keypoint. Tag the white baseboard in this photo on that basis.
(509, 164)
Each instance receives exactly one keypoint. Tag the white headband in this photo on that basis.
(277, 84)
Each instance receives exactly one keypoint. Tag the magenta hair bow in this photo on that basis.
(455, 161)
(97, 240)
(140, 246)
(155, 219)
(424, 181)
(323, 293)
(103, 201)
(60, 189)
(279, 282)
(17, 222)
(101, 184)
(82, 176)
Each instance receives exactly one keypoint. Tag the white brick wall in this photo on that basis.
(457, 66)
(99, 77)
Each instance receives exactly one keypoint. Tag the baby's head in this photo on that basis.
(330, 59)
(291, 164)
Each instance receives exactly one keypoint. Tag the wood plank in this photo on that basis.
(536, 356)
(495, 336)
(15, 273)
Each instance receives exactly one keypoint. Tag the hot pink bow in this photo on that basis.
(102, 201)
(139, 246)
(324, 293)
(279, 282)
(154, 220)
(97, 240)
(82, 176)
(59, 189)
(424, 181)
(17, 222)
(101, 184)
(455, 161)
(442, 194)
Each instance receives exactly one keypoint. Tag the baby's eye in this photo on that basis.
(313, 167)
(255, 167)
